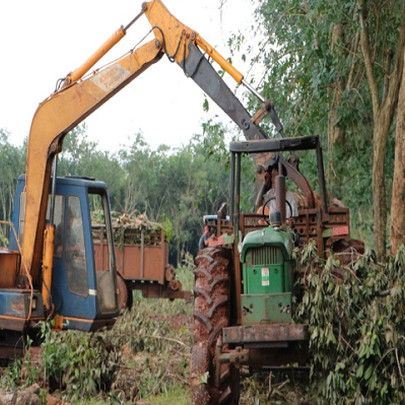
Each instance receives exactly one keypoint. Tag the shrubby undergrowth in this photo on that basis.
(356, 322)
(145, 354)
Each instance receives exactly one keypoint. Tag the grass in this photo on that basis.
(177, 396)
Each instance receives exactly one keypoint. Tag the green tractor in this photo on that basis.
(243, 292)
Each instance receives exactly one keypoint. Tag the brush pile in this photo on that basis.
(137, 230)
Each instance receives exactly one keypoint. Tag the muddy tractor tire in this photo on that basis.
(212, 284)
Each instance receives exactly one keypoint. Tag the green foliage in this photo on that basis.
(145, 354)
(80, 157)
(12, 165)
(312, 67)
(177, 396)
(155, 338)
(167, 227)
(174, 187)
(80, 364)
(11, 375)
(356, 319)
(213, 140)
(3, 236)
(184, 272)
(30, 369)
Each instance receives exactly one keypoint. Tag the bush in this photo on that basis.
(356, 323)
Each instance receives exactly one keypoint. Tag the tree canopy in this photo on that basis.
(174, 186)
(334, 68)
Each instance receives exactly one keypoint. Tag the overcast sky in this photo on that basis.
(43, 40)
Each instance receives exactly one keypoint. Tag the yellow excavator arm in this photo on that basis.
(80, 95)
(54, 118)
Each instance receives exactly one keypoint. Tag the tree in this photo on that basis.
(80, 157)
(12, 163)
(314, 74)
(142, 167)
(181, 185)
(385, 55)
(333, 67)
(397, 234)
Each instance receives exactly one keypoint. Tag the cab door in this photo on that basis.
(73, 294)
(84, 294)
(104, 253)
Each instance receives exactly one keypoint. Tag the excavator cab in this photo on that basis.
(84, 279)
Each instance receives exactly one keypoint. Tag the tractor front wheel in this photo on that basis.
(212, 313)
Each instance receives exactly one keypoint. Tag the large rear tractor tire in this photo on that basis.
(211, 313)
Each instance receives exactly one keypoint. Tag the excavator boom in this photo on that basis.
(79, 96)
(54, 118)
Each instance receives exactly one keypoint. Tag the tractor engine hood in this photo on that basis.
(268, 237)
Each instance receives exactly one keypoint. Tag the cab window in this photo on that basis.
(75, 257)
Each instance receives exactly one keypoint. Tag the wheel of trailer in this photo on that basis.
(212, 313)
(125, 298)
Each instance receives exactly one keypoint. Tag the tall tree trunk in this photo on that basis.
(334, 132)
(380, 137)
(397, 229)
(383, 113)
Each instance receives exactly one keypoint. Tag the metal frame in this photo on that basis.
(311, 142)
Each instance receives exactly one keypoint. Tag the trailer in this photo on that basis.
(142, 258)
